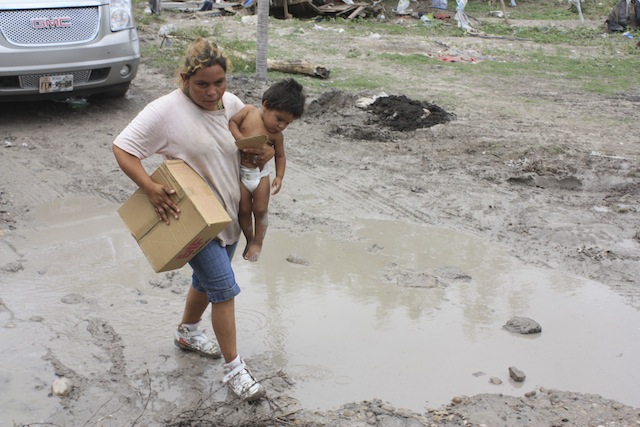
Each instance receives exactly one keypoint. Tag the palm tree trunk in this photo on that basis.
(262, 39)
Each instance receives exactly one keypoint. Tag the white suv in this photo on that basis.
(66, 48)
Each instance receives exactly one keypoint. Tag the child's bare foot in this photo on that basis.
(246, 249)
(252, 252)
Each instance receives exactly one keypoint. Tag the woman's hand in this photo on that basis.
(260, 156)
(159, 196)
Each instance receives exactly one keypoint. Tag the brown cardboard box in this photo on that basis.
(252, 142)
(202, 217)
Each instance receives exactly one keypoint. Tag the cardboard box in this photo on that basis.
(252, 142)
(202, 218)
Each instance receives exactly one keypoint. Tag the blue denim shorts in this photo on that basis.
(212, 272)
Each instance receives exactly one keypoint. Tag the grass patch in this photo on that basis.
(166, 55)
(413, 60)
(599, 75)
(549, 10)
(613, 71)
(341, 79)
(580, 36)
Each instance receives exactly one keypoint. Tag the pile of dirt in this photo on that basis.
(403, 114)
(371, 118)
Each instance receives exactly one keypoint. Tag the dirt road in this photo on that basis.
(537, 165)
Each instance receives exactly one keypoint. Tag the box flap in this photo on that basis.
(252, 142)
(198, 191)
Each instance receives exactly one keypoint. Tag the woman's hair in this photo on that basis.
(202, 53)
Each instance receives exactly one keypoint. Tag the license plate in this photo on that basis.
(63, 83)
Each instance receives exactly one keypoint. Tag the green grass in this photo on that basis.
(540, 9)
(613, 71)
(599, 75)
(408, 60)
(166, 54)
(580, 36)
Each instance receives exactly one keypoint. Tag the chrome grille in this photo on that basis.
(38, 26)
(32, 81)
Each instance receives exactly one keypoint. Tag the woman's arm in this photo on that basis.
(263, 154)
(157, 193)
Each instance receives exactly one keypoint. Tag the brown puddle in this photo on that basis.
(408, 314)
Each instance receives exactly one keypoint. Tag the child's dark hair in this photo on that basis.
(285, 95)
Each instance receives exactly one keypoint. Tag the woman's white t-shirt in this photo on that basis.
(176, 128)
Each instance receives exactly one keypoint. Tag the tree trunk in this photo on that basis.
(262, 39)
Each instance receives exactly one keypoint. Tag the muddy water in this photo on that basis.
(411, 315)
(367, 319)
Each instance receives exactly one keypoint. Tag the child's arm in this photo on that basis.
(236, 122)
(281, 164)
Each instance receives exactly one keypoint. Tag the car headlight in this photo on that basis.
(121, 15)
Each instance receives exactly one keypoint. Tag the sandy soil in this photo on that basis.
(534, 163)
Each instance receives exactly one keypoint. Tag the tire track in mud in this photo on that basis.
(106, 338)
(360, 199)
(408, 193)
(97, 391)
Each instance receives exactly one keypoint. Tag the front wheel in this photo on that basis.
(117, 91)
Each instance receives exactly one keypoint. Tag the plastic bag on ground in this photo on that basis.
(403, 5)
(461, 17)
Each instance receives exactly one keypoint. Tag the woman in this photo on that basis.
(191, 124)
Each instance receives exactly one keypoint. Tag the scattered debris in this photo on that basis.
(625, 14)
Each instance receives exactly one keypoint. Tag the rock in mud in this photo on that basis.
(495, 380)
(61, 386)
(295, 259)
(516, 374)
(522, 325)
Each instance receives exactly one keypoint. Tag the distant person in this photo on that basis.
(192, 124)
(282, 103)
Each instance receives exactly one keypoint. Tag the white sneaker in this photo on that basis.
(242, 384)
(196, 341)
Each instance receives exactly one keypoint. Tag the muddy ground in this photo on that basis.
(536, 164)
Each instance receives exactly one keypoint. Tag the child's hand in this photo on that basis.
(276, 185)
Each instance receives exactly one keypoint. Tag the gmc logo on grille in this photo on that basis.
(58, 22)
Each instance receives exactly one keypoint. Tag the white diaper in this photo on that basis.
(251, 177)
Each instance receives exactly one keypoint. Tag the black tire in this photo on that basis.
(118, 91)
